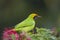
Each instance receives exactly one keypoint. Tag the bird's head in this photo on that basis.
(34, 15)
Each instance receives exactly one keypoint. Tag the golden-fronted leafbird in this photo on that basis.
(28, 24)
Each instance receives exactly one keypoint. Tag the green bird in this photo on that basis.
(28, 24)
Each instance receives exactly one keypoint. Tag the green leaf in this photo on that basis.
(43, 34)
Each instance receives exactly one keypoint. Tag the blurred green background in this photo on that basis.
(14, 11)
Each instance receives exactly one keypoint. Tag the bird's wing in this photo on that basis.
(25, 28)
(24, 24)
(28, 28)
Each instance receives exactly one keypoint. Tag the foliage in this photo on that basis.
(42, 34)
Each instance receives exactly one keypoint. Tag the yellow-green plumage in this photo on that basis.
(26, 25)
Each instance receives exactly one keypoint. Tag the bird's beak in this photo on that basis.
(39, 16)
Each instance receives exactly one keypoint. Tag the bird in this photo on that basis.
(28, 24)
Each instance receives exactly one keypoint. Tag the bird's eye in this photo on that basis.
(35, 17)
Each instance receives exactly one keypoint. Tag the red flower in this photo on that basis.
(10, 34)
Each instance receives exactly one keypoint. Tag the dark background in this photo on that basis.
(14, 11)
